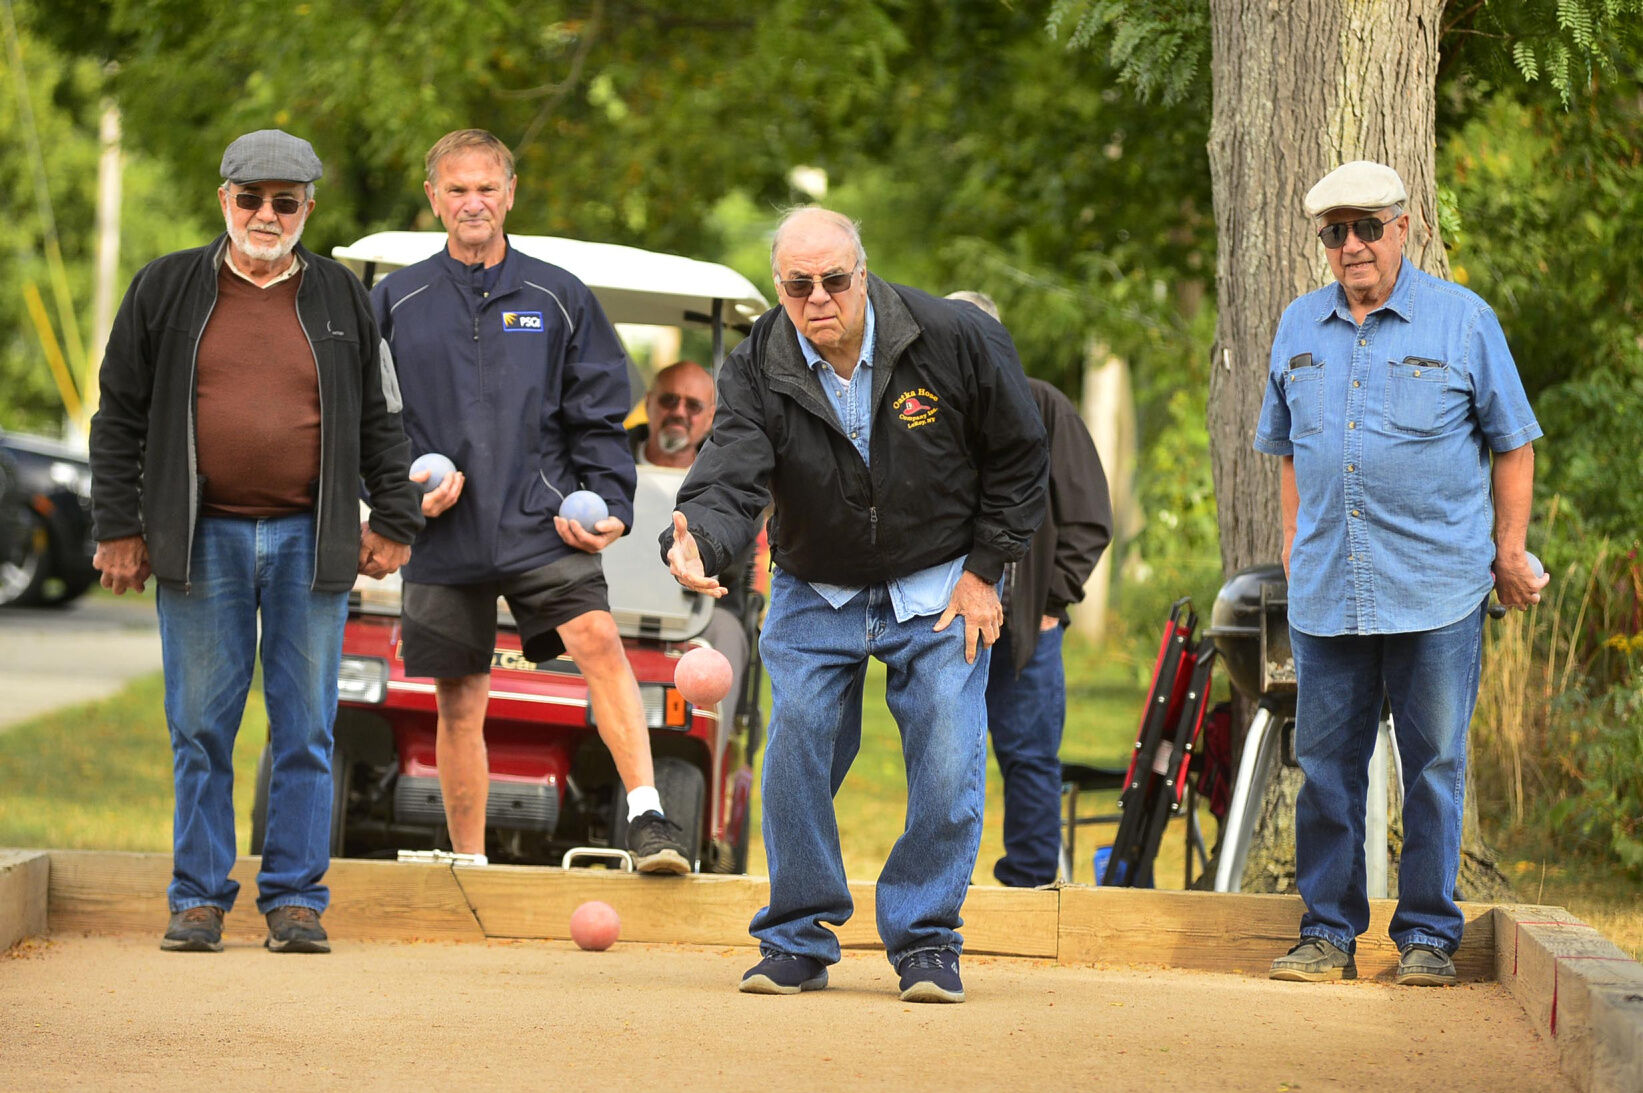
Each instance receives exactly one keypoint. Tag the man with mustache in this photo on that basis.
(678, 416)
(245, 395)
(511, 369)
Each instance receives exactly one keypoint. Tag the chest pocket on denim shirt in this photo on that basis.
(1304, 393)
(1415, 392)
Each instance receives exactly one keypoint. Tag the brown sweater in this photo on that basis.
(257, 397)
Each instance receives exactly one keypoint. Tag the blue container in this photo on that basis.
(1102, 854)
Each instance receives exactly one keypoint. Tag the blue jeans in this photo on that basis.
(1025, 715)
(243, 568)
(817, 660)
(1431, 679)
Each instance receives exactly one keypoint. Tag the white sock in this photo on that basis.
(642, 800)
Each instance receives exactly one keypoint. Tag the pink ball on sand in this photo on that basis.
(703, 676)
(594, 926)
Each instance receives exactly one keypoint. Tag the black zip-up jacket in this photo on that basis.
(1076, 530)
(958, 452)
(143, 465)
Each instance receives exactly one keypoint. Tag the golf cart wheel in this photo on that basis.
(683, 790)
(64, 591)
(23, 574)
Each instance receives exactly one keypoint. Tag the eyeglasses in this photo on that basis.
(800, 288)
(669, 400)
(1368, 230)
(283, 204)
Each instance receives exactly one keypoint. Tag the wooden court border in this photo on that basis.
(1581, 991)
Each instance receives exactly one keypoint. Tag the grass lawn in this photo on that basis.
(98, 776)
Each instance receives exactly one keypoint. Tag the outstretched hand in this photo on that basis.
(977, 601)
(684, 561)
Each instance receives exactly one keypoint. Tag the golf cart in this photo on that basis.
(555, 795)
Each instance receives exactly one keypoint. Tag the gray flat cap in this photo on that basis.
(271, 155)
(1361, 184)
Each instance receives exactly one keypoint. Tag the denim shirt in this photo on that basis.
(1391, 425)
(928, 591)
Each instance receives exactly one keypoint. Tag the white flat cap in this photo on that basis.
(1361, 184)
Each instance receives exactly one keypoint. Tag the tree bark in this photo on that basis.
(1299, 88)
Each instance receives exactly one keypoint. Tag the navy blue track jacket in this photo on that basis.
(525, 389)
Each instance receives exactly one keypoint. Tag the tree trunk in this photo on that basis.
(1300, 88)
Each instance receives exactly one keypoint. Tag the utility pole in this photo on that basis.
(109, 169)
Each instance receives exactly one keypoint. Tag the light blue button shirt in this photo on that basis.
(1391, 425)
(928, 591)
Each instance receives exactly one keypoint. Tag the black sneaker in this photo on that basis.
(196, 930)
(930, 975)
(293, 929)
(1425, 966)
(657, 844)
(784, 973)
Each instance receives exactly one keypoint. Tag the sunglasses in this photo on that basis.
(283, 204)
(1368, 230)
(669, 400)
(800, 288)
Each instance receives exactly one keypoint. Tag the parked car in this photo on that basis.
(45, 559)
(554, 789)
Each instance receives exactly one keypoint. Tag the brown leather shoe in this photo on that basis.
(195, 930)
(293, 929)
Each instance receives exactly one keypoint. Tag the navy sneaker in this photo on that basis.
(930, 975)
(784, 973)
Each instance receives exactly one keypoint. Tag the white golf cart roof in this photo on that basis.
(632, 285)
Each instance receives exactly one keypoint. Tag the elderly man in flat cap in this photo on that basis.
(245, 396)
(1407, 471)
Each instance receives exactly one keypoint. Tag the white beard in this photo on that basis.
(672, 441)
(263, 252)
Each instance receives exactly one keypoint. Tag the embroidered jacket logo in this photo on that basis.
(528, 321)
(917, 407)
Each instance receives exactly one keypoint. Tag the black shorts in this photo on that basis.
(450, 630)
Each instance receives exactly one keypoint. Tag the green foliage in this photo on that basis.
(1567, 43)
(628, 119)
(1559, 730)
(65, 102)
(1158, 47)
(1543, 203)
(1602, 813)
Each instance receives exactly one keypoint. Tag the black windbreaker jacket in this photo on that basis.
(958, 451)
(142, 438)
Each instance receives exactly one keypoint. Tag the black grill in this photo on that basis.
(520, 806)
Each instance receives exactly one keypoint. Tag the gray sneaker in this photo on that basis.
(293, 929)
(196, 930)
(1314, 960)
(1425, 966)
